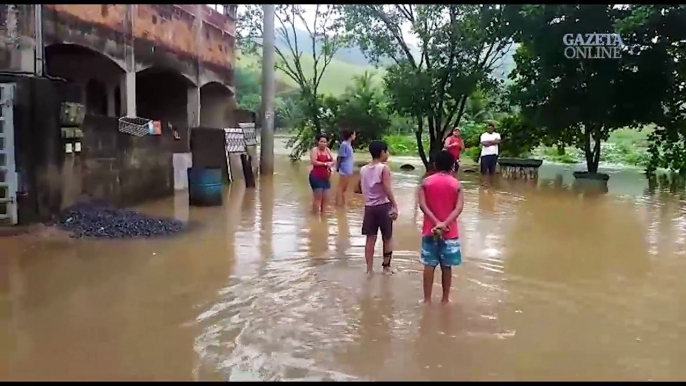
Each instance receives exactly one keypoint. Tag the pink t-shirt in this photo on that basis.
(441, 193)
(372, 185)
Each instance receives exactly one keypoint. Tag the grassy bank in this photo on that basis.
(624, 147)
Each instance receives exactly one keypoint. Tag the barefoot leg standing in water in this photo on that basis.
(380, 208)
(326, 197)
(428, 282)
(441, 200)
(369, 252)
(317, 195)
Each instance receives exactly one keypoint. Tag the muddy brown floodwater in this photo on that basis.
(554, 286)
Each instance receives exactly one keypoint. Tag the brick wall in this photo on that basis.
(122, 169)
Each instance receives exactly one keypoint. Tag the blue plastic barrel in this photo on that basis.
(205, 186)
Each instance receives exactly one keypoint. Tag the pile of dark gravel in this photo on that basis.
(92, 220)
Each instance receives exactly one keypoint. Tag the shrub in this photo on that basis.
(472, 153)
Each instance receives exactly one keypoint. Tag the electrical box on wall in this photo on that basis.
(71, 139)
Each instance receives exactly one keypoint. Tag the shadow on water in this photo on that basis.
(554, 285)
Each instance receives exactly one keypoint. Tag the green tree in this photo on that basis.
(477, 108)
(363, 109)
(248, 88)
(459, 45)
(662, 29)
(324, 40)
(581, 101)
(249, 97)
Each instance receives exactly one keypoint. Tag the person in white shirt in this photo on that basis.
(489, 149)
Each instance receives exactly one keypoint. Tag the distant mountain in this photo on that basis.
(354, 55)
(351, 55)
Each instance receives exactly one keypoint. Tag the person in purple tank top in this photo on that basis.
(380, 208)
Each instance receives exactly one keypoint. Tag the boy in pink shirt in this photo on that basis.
(441, 201)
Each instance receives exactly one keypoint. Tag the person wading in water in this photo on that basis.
(489, 150)
(320, 175)
(380, 207)
(455, 145)
(344, 165)
(441, 200)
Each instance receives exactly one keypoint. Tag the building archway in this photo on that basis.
(95, 73)
(216, 105)
(162, 95)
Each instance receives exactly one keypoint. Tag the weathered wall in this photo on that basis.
(166, 35)
(162, 95)
(215, 106)
(100, 27)
(37, 147)
(138, 40)
(122, 169)
(17, 37)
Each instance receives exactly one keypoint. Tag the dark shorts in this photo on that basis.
(457, 165)
(317, 183)
(378, 218)
(488, 163)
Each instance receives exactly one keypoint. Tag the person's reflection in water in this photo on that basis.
(430, 349)
(266, 195)
(368, 355)
(487, 200)
(318, 237)
(246, 236)
(343, 236)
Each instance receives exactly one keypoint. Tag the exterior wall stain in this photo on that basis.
(163, 35)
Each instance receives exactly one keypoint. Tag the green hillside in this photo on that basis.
(337, 77)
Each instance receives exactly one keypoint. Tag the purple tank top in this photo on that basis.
(372, 186)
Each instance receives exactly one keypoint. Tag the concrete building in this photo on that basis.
(166, 62)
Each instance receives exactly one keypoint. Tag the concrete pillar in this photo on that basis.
(128, 94)
(111, 103)
(193, 107)
(268, 91)
(39, 50)
(127, 89)
(84, 95)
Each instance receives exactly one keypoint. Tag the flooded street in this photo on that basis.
(554, 285)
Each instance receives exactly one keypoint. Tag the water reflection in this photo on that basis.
(554, 285)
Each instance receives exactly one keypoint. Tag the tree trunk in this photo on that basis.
(420, 144)
(592, 154)
(314, 114)
(596, 149)
(560, 149)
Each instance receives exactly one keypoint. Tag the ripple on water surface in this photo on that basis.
(553, 285)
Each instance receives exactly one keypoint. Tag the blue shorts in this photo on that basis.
(319, 183)
(447, 253)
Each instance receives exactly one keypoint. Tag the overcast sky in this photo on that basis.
(309, 17)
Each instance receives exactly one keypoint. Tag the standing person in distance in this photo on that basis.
(441, 200)
(489, 150)
(344, 165)
(455, 145)
(380, 207)
(320, 175)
